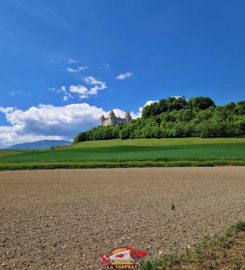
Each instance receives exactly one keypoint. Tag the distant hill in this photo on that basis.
(44, 144)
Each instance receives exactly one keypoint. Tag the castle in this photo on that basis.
(114, 121)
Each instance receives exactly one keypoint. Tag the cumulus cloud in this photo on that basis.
(76, 70)
(51, 122)
(78, 89)
(96, 85)
(47, 122)
(124, 76)
(11, 135)
(93, 86)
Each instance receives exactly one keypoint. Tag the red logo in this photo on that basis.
(123, 258)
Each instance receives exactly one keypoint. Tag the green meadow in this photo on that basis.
(131, 153)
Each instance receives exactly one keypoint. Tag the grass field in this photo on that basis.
(9, 152)
(132, 153)
(157, 142)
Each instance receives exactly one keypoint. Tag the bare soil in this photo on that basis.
(63, 219)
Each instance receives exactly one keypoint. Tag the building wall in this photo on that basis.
(113, 121)
(120, 121)
(106, 122)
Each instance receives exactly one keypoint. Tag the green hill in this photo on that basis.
(155, 142)
(177, 118)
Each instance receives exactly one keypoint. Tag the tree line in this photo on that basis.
(177, 117)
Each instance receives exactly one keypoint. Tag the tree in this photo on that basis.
(230, 106)
(200, 103)
(240, 107)
(170, 104)
(82, 136)
(150, 110)
(124, 134)
(148, 132)
(174, 103)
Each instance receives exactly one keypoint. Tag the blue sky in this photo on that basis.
(65, 62)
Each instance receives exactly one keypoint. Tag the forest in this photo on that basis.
(177, 118)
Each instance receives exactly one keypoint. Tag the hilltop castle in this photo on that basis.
(114, 121)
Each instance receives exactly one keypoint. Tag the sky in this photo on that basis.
(64, 63)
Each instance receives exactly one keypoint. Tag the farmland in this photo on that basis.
(63, 219)
(132, 153)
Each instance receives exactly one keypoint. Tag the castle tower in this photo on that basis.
(102, 119)
(128, 117)
(112, 118)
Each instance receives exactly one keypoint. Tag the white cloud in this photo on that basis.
(10, 135)
(93, 81)
(51, 122)
(78, 89)
(47, 122)
(82, 91)
(97, 85)
(72, 61)
(124, 76)
(93, 87)
(76, 70)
